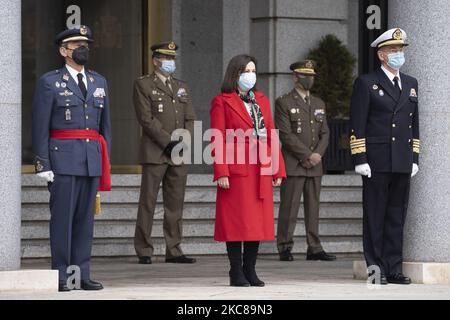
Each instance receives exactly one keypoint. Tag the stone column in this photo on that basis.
(10, 134)
(427, 230)
(282, 32)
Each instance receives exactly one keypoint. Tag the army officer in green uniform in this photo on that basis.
(163, 104)
(304, 134)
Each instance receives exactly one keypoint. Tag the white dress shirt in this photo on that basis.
(391, 76)
(74, 74)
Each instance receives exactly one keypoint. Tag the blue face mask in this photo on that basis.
(168, 66)
(247, 81)
(396, 60)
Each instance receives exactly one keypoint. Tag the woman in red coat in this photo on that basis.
(247, 162)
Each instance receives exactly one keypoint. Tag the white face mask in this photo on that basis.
(247, 81)
(168, 66)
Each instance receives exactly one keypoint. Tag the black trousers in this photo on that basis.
(385, 203)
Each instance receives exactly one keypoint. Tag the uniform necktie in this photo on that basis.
(168, 84)
(308, 100)
(398, 91)
(81, 84)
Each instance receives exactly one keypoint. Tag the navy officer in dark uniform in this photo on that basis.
(385, 148)
(71, 141)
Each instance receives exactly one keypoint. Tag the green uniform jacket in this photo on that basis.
(303, 131)
(160, 111)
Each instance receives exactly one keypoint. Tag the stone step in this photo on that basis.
(191, 229)
(193, 195)
(192, 211)
(134, 180)
(191, 246)
(340, 224)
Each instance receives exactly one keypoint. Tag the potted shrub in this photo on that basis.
(333, 84)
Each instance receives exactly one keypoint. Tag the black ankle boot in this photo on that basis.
(237, 278)
(250, 255)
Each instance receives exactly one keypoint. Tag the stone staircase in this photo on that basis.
(340, 225)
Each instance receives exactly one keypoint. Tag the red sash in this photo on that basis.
(105, 179)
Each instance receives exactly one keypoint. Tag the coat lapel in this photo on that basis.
(236, 104)
(175, 89)
(91, 85)
(406, 88)
(299, 100)
(162, 86)
(386, 84)
(71, 84)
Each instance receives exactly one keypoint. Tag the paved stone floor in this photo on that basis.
(208, 279)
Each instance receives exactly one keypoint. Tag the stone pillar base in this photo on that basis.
(29, 280)
(427, 272)
(419, 272)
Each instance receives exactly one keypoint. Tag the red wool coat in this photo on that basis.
(244, 212)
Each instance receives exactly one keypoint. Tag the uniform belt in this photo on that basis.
(105, 179)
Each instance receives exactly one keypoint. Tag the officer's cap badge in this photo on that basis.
(172, 46)
(397, 35)
(83, 30)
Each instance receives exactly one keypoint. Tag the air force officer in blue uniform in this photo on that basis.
(385, 147)
(71, 141)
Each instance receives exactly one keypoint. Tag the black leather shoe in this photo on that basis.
(322, 255)
(62, 287)
(145, 260)
(286, 255)
(383, 280)
(398, 279)
(91, 285)
(181, 259)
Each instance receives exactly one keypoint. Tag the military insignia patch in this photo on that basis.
(413, 93)
(319, 112)
(99, 93)
(66, 93)
(181, 92)
(66, 77)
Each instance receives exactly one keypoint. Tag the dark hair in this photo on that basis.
(235, 67)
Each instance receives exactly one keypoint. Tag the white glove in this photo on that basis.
(415, 169)
(364, 170)
(47, 175)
